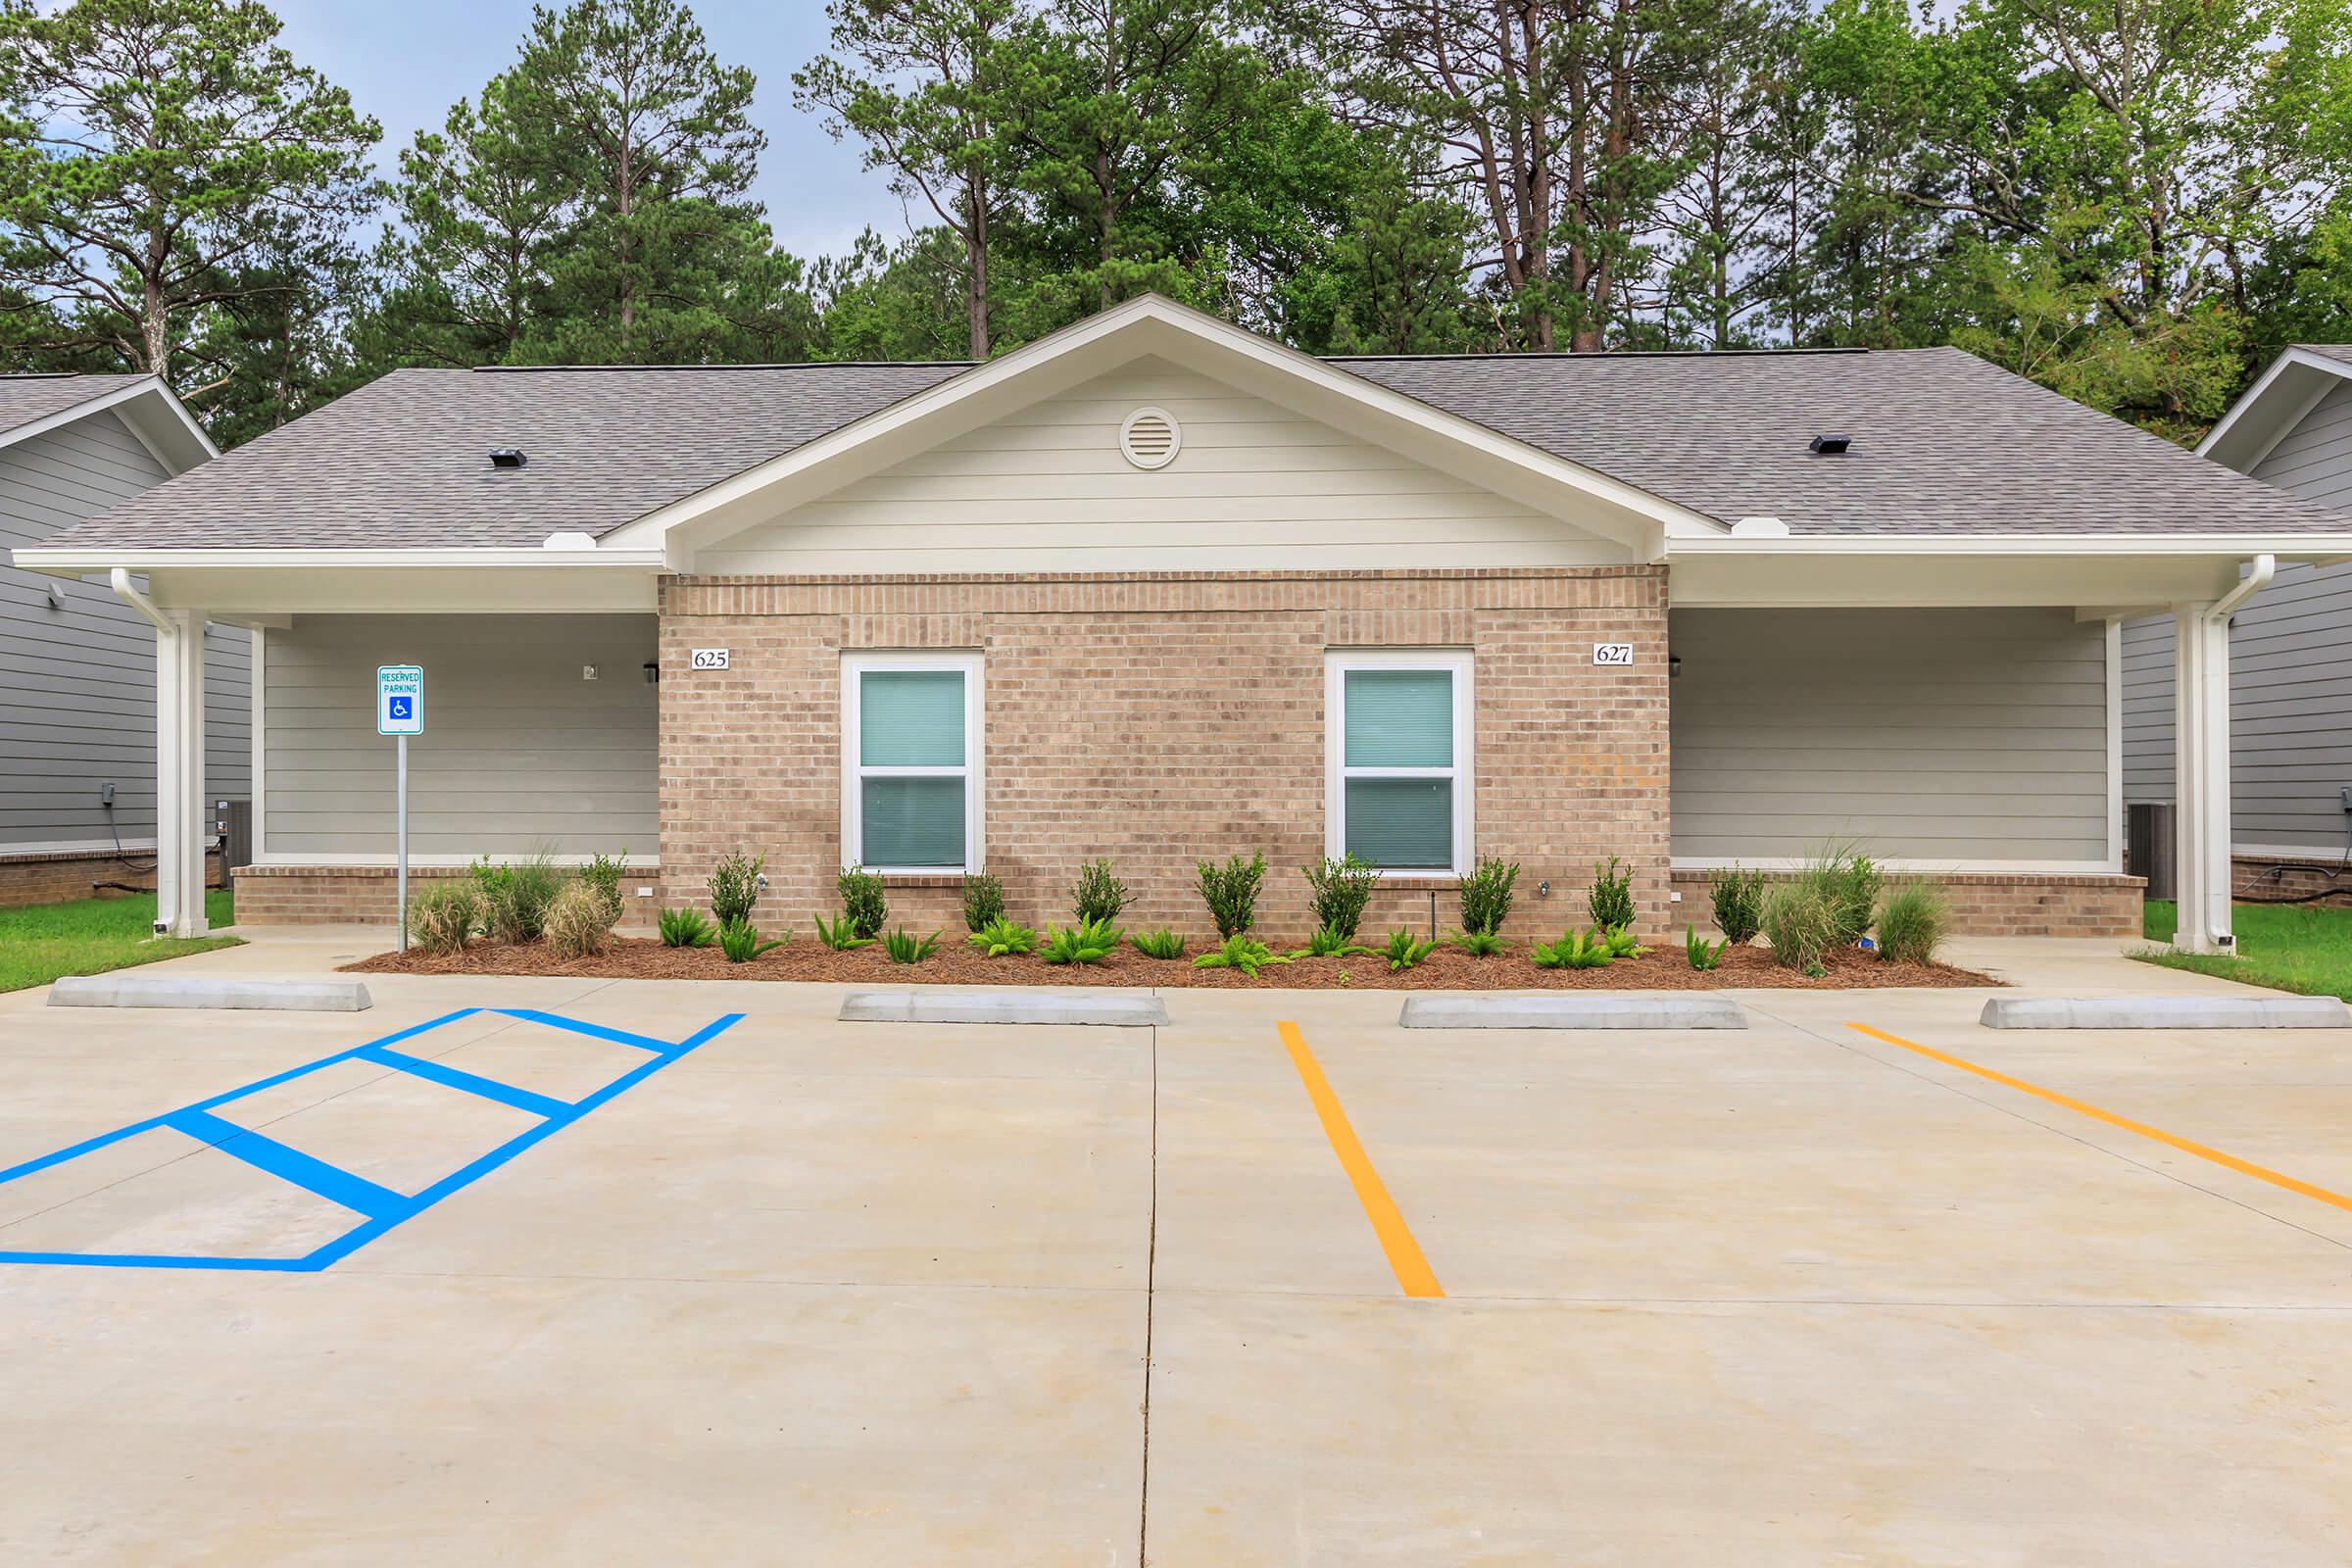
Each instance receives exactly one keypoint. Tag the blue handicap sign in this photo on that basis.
(400, 707)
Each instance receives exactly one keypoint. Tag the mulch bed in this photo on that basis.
(1663, 969)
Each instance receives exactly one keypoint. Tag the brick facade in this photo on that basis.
(1991, 904)
(368, 894)
(2255, 878)
(1160, 718)
(60, 875)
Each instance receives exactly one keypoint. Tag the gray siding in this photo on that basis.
(78, 683)
(518, 750)
(1958, 737)
(2290, 671)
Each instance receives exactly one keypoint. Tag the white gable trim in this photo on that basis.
(149, 411)
(2266, 412)
(1151, 325)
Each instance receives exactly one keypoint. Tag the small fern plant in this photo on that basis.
(905, 946)
(1241, 952)
(685, 928)
(1405, 949)
(741, 942)
(1328, 942)
(1479, 943)
(1087, 942)
(840, 935)
(1160, 944)
(1620, 943)
(1575, 949)
(1702, 954)
(1001, 937)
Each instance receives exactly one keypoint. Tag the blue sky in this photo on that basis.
(406, 62)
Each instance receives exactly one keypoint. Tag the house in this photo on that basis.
(76, 663)
(1160, 589)
(2291, 669)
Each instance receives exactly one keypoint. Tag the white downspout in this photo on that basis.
(2202, 759)
(120, 578)
(2259, 572)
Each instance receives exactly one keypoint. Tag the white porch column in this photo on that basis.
(181, 817)
(2201, 777)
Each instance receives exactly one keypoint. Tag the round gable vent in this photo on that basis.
(1151, 438)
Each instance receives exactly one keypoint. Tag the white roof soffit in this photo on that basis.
(2272, 406)
(1157, 326)
(155, 415)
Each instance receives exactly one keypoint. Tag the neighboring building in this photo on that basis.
(1160, 589)
(76, 663)
(2291, 655)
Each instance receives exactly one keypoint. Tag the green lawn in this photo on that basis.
(2287, 947)
(91, 936)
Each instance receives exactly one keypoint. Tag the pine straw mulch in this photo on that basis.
(1663, 969)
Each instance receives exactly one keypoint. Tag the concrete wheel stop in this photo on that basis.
(135, 990)
(1616, 1010)
(2165, 1013)
(1000, 1007)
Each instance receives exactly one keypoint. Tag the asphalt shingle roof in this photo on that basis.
(27, 398)
(1942, 443)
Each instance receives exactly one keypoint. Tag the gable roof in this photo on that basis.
(34, 404)
(2286, 390)
(1942, 444)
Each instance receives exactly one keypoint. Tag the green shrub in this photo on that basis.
(1241, 952)
(1702, 954)
(983, 900)
(1327, 943)
(685, 928)
(602, 872)
(1486, 894)
(905, 946)
(1801, 922)
(1479, 943)
(1405, 949)
(1912, 923)
(1849, 883)
(840, 935)
(1739, 898)
(442, 915)
(735, 887)
(519, 896)
(1611, 900)
(1338, 891)
(1575, 949)
(1098, 894)
(1231, 892)
(1160, 944)
(740, 941)
(863, 902)
(577, 922)
(1001, 937)
(1087, 942)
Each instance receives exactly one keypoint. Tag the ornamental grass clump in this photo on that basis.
(1099, 896)
(863, 902)
(1739, 898)
(442, 915)
(1702, 954)
(577, 923)
(1231, 892)
(1486, 895)
(838, 934)
(905, 946)
(741, 942)
(1338, 892)
(1912, 923)
(1849, 882)
(517, 898)
(735, 887)
(1801, 920)
(983, 901)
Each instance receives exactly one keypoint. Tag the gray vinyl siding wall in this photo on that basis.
(78, 683)
(2290, 671)
(519, 752)
(1957, 737)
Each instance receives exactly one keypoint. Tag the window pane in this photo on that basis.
(1406, 823)
(912, 822)
(911, 719)
(1400, 718)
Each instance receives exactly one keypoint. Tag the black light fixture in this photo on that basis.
(508, 458)
(1830, 446)
(653, 673)
(1674, 665)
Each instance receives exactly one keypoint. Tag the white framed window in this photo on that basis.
(911, 750)
(1399, 788)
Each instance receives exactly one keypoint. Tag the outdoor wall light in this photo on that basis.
(1674, 665)
(653, 673)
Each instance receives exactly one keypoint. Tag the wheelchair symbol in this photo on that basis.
(398, 707)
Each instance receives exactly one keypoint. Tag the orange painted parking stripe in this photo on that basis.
(1405, 1262)
(2244, 1167)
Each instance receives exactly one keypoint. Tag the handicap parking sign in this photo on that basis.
(400, 700)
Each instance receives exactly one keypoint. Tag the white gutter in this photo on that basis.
(533, 558)
(120, 578)
(2291, 546)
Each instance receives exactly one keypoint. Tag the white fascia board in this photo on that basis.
(2266, 419)
(159, 396)
(1147, 325)
(2287, 547)
(76, 558)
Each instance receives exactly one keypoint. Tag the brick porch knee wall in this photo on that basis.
(59, 876)
(1162, 718)
(368, 895)
(1999, 903)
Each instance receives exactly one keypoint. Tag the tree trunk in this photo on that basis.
(975, 254)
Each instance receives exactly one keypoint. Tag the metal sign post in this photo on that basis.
(400, 713)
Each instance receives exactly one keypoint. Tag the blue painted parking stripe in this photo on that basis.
(597, 1031)
(289, 1164)
(471, 1083)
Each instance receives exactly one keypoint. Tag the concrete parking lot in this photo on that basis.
(813, 1293)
